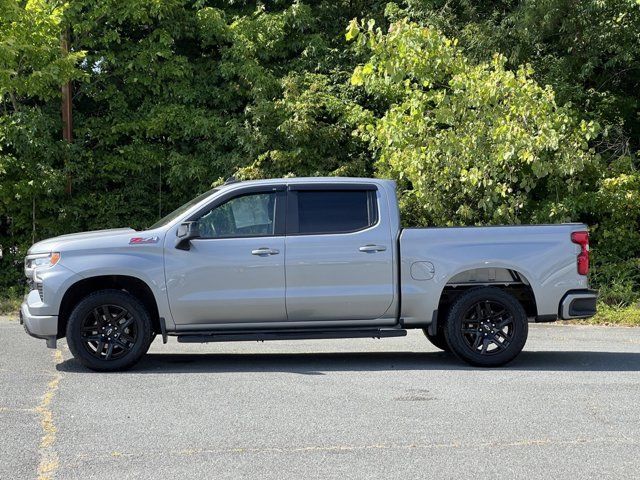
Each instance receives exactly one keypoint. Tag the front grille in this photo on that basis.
(40, 291)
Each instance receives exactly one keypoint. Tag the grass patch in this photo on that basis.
(607, 315)
(9, 305)
(10, 300)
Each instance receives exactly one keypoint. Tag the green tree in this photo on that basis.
(469, 143)
(32, 70)
(171, 96)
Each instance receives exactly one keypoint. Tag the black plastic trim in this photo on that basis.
(591, 303)
(204, 337)
(291, 224)
(546, 318)
(433, 326)
(583, 307)
(280, 227)
(163, 329)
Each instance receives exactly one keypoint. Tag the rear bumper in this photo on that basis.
(39, 326)
(578, 304)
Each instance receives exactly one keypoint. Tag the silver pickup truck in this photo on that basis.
(303, 258)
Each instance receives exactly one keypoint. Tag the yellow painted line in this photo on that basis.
(48, 456)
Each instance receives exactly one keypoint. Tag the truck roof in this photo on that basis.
(294, 180)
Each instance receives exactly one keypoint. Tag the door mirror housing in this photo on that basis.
(187, 231)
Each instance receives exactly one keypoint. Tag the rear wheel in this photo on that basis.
(486, 327)
(437, 340)
(109, 330)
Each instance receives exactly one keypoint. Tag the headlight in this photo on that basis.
(44, 260)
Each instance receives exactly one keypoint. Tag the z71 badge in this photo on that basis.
(143, 240)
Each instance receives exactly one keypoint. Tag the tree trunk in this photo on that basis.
(67, 114)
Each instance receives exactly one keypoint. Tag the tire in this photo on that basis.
(486, 327)
(109, 330)
(437, 340)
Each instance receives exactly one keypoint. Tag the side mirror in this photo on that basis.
(186, 232)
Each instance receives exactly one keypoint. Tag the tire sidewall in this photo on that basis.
(438, 340)
(109, 297)
(453, 327)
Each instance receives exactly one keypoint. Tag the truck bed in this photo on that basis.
(541, 256)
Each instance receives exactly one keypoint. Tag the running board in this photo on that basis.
(203, 337)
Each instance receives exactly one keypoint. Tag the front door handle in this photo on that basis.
(372, 248)
(264, 251)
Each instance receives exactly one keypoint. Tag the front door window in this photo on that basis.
(249, 215)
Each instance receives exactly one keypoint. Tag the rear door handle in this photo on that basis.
(264, 251)
(372, 248)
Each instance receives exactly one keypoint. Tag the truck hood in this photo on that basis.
(59, 243)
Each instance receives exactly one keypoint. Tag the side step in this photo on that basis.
(203, 337)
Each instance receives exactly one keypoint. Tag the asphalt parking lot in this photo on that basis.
(568, 407)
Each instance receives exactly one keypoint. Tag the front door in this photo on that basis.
(234, 273)
(339, 254)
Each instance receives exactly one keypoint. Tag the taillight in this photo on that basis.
(582, 239)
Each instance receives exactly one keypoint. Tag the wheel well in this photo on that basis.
(510, 281)
(81, 289)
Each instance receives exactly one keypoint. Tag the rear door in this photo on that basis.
(339, 262)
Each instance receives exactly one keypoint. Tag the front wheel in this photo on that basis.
(109, 330)
(486, 327)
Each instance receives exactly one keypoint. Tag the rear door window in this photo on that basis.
(335, 211)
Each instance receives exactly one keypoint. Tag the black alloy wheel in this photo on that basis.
(486, 327)
(109, 330)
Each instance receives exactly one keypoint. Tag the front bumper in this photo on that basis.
(39, 326)
(578, 304)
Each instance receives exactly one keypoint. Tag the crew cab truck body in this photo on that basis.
(303, 258)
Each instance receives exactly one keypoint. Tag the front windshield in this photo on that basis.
(180, 210)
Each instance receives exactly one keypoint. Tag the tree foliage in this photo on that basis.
(502, 111)
(471, 143)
